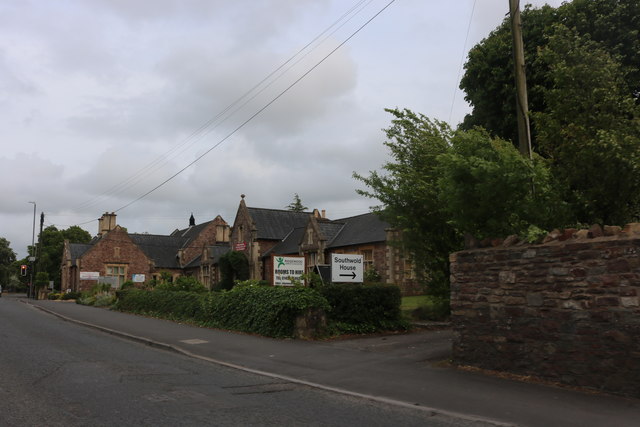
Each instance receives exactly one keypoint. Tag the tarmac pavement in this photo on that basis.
(405, 369)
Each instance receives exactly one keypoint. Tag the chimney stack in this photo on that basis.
(106, 223)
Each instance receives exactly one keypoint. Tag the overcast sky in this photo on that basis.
(103, 100)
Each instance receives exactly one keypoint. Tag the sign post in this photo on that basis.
(347, 268)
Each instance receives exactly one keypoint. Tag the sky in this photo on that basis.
(157, 109)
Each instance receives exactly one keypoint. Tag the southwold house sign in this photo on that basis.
(347, 268)
(287, 269)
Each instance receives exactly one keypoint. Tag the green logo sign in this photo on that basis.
(280, 262)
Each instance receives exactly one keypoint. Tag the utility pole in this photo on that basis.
(39, 247)
(522, 102)
(32, 258)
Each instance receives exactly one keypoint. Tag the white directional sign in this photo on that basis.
(347, 268)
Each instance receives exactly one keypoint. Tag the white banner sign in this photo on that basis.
(89, 275)
(287, 269)
(137, 278)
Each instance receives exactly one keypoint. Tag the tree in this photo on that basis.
(233, 265)
(590, 128)
(583, 73)
(489, 190)
(7, 258)
(408, 192)
(441, 185)
(51, 246)
(488, 79)
(296, 205)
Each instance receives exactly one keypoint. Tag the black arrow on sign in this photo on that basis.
(353, 275)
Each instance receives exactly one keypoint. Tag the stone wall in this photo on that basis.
(566, 310)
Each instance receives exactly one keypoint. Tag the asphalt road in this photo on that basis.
(56, 373)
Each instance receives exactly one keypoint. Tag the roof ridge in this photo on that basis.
(280, 210)
(355, 216)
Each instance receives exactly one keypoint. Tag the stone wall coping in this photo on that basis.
(560, 236)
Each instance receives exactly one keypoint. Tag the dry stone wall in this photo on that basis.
(567, 310)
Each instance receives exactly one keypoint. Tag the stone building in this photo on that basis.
(264, 233)
(115, 255)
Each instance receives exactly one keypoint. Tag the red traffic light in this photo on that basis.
(23, 270)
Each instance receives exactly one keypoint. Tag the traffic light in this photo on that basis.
(23, 270)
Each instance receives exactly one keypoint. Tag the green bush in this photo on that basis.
(265, 310)
(103, 300)
(70, 295)
(234, 266)
(364, 309)
(182, 284)
(101, 292)
(179, 305)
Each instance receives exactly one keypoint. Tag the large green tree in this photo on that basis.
(7, 259)
(442, 184)
(590, 129)
(407, 189)
(489, 190)
(51, 246)
(583, 73)
(488, 80)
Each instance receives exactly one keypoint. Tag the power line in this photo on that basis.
(267, 105)
(219, 118)
(464, 48)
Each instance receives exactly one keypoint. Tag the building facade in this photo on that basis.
(115, 256)
(264, 233)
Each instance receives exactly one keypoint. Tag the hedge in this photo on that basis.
(272, 311)
(358, 308)
(265, 310)
(180, 305)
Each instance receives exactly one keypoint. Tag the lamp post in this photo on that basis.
(32, 258)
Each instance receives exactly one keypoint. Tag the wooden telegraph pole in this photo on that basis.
(522, 102)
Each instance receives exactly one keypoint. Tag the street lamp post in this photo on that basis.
(32, 258)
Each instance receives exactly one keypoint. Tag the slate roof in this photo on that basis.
(357, 230)
(192, 231)
(289, 245)
(216, 251)
(77, 250)
(274, 224)
(196, 262)
(163, 250)
(330, 229)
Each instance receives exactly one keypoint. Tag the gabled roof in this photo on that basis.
(330, 229)
(194, 263)
(163, 250)
(289, 245)
(216, 251)
(76, 250)
(192, 231)
(357, 230)
(275, 224)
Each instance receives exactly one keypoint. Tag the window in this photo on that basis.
(407, 267)
(118, 271)
(367, 259)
